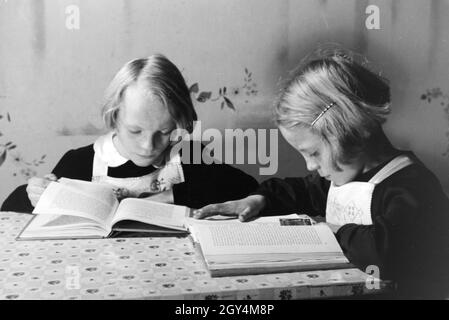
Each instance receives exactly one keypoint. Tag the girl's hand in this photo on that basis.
(164, 196)
(36, 187)
(245, 208)
(121, 193)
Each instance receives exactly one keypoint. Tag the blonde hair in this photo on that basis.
(162, 79)
(337, 98)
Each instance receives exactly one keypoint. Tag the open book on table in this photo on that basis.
(267, 245)
(70, 209)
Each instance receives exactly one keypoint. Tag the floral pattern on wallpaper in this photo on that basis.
(27, 168)
(223, 96)
(9, 151)
(438, 96)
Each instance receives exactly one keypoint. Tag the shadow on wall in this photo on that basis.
(278, 157)
(437, 96)
(224, 97)
(26, 168)
(406, 92)
(380, 58)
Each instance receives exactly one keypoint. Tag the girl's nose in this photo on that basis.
(312, 165)
(147, 143)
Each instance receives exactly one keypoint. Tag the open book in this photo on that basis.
(71, 209)
(267, 245)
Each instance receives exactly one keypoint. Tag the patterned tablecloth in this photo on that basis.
(150, 268)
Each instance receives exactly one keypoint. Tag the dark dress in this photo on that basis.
(409, 237)
(204, 183)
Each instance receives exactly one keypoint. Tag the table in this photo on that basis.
(145, 268)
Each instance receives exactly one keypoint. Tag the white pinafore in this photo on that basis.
(160, 180)
(351, 202)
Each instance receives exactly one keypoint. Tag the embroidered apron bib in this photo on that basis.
(351, 202)
(157, 181)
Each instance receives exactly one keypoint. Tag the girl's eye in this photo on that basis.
(315, 154)
(134, 131)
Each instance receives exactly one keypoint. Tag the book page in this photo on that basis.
(161, 214)
(49, 226)
(64, 220)
(45, 222)
(101, 191)
(192, 222)
(249, 238)
(63, 199)
(285, 218)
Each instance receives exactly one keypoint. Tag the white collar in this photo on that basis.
(108, 153)
(105, 149)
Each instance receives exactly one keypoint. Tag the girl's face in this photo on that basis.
(143, 127)
(317, 155)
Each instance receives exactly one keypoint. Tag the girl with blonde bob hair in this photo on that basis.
(145, 103)
(362, 97)
(162, 79)
(386, 209)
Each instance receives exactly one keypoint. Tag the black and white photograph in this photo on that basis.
(244, 150)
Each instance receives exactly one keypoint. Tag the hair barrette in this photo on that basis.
(323, 112)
